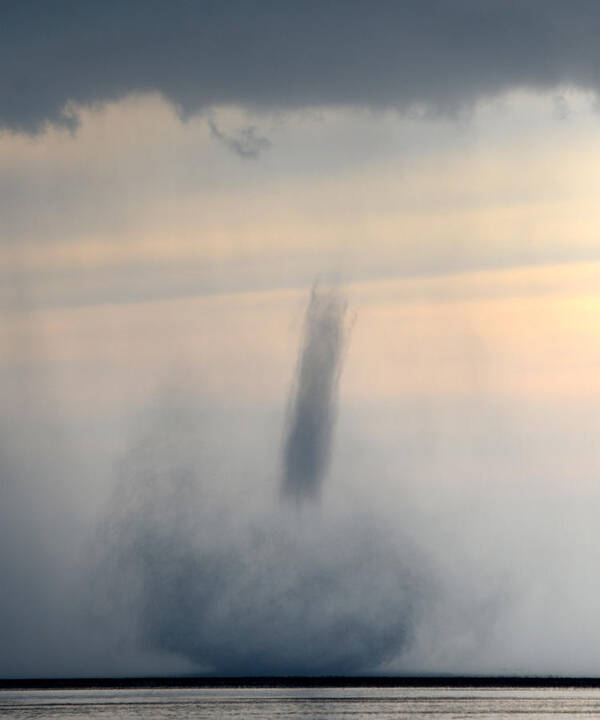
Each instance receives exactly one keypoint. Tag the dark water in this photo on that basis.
(325, 703)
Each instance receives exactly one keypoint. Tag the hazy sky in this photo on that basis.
(174, 180)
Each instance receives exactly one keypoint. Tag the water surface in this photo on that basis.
(326, 703)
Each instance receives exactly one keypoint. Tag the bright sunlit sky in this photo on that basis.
(140, 237)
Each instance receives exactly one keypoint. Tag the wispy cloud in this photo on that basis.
(245, 142)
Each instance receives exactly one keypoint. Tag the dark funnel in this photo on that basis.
(307, 448)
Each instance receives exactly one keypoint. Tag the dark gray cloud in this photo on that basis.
(287, 55)
(308, 444)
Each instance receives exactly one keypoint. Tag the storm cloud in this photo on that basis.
(424, 54)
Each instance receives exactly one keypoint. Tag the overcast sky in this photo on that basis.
(174, 180)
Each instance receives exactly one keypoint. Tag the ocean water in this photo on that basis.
(314, 703)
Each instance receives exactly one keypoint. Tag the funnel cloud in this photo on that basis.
(307, 448)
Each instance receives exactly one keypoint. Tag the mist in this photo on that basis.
(442, 537)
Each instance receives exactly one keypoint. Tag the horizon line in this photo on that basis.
(292, 681)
